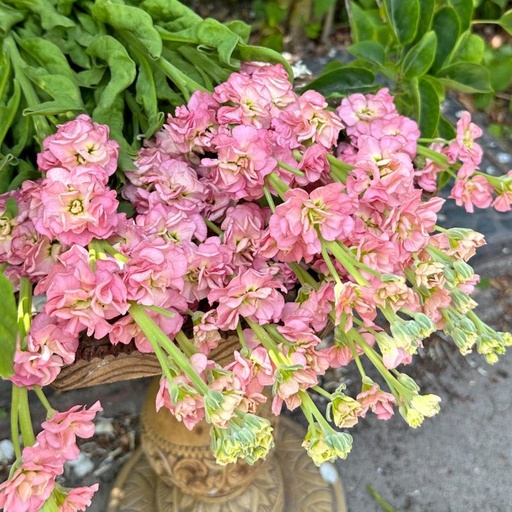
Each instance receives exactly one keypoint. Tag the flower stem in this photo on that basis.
(279, 185)
(211, 225)
(347, 260)
(289, 168)
(158, 339)
(24, 309)
(24, 419)
(42, 398)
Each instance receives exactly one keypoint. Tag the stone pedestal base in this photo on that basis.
(287, 481)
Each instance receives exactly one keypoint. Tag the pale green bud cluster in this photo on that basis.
(326, 446)
(221, 406)
(419, 407)
(492, 343)
(343, 410)
(461, 329)
(247, 437)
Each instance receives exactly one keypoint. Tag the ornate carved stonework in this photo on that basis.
(176, 471)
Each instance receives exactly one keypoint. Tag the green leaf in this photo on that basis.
(8, 18)
(65, 93)
(122, 68)
(130, 21)
(371, 51)
(213, 34)
(8, 327)
(341, 82)
(170, 10)
(501, 75)
(48, 55)
(427, 108)
(404, 17)
(505, 22)
(464, 10)
(470, 49)
(361, 27)
(466, 77)
(425, 18)
(447, 28)
(23, 175)
(8, 112)
(241, 29)
(6, 170)
(50, 18)
(420, 57)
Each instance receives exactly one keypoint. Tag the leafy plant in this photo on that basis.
(420, 48)
(124, 63)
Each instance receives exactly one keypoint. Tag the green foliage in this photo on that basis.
(8, 329)
(125, 63)
(421, 49)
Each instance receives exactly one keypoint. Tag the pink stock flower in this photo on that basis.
(357, 111)
(244, 158)
(473, 191)
(82, 296)
(380, 402)
(298, 224)
(308, 120)
(209, 266)
(314, 165)
(74, 207)
(251, 294)
(464, 147)
(49, 348)
(78, 498)
(27, 489)
(80, 142)
(503, 201)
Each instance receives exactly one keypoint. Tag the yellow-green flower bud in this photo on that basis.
(344, 411)
(412, 417)
(427, 405)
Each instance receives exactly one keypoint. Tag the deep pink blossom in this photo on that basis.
(78, 498)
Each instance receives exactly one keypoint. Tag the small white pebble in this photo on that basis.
(504, 158)
(104, 427)
(329, 473)
(81, 466)
(6, 451)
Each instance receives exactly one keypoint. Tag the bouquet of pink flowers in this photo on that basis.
(254, 211)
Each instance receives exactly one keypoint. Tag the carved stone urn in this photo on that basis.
(174, 469)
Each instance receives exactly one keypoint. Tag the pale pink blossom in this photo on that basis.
(244, 158)
(84, 297)
(471, 192)
(464, 147)
(299, 223)
(80, 142)
(379, 402)
(78, 498)
(251, 294)
(74, 207)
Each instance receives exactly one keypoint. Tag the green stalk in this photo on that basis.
(15, 433)
(24, 310)
(40, 123)
(185, 344)
(436, 157)
(24, 419)
(279, 185)
(42, 398)
(213, 227)
(158, 339)
(184, 83)
(346, 259)
(289, 168)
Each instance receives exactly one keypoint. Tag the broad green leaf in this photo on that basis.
(121, 66)
(146, 96)
(45, 10)
(427, 108)
(8, 327)
(5, 75)
(437, 85)
(404, 17)
(22, 175)
(48, 55)
(90, 77)
(420, 57)
(6, 171)
(240, 28)
(470, 49)
(371, 51)
(341, 82)
(206, 63)
(425, 18)
(65, 93)
(464, 10)
(361, 27)
(7, 112)
(8, 18)
(501, 73)
(466, 77)
(505, 22)
(211, 33)
(130, 21)
(447, 28)
(170, 10)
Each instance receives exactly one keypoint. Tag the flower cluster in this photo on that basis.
(266, 214)
(33, 483)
